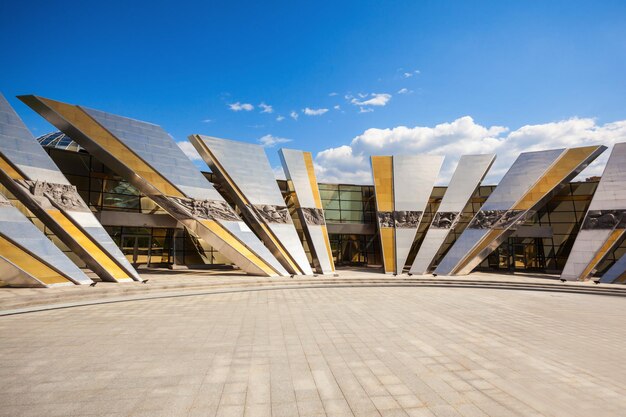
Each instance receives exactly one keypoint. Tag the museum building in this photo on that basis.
(148, 236)
(116, 195)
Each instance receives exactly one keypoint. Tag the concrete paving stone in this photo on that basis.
(230, 411)
(321, 351)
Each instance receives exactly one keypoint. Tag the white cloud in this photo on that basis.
(337, 107)
(409, 74)
(189, 150)
(269, 141)
(333, 94)
(280, 118)
(314, 112)
(366, 110)
(266, 108)
(404, 91)
(294, 115)
(376, 99)
(350, 163)
(207, 121)
(241, 106)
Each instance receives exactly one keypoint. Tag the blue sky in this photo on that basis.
(428, 65)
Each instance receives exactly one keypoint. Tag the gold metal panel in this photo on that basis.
(310, 169)
(75, 116)
(86, 243)
(9, 169)
(30, 264)
(308, 163)
(382, 170)
(610, 242)
(556, 174)
(387, 240)
(328, 249)
(223, 234)
(484, 242)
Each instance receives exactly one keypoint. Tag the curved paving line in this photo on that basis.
(494, 285)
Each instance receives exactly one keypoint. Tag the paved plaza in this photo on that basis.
(336, 351)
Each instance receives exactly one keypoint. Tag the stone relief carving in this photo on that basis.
(385, 218)
(605, 219)
(63, 196)
(445, 219)
(272, 214)
(485, 219)
(509, 218)
(313, 216)
(407, 219)
(209, 209)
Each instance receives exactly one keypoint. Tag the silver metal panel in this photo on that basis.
(23, 150)
(611, 191)
(467, 176)
(18, 229)
(587, 244)
(463, 245)
(610, 195)
(20, 147)
(152, 144)
(404, 241)
(288, 236)
(317, 235)
(247, 236)
(519, 179)
(249, 170)
(296, 171)
(428, 250)
(523, 174)
(616, 271)
(247, 165)
(414, 177)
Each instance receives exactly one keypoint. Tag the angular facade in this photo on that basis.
(300, 174)
(532, 179)
(467, 176)
(110, 190)
(28, 258)
(33, 178)
(148, 158)
(248, 178)
(403, 184)
(604, 225)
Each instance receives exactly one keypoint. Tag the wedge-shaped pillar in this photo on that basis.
(28, 258)
(468, 175)
(248, 177)
(298, 167)
(531, 181)
(31, 176)
(402, 184)
(148, 158)
(604, 224)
